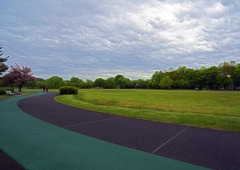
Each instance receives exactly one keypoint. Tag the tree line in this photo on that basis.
(224, 76)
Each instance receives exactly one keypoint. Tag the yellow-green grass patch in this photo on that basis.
(212, 109)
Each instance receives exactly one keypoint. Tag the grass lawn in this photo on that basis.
(40, 90)
(212, 109)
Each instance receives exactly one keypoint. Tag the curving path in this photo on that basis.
(203, 147)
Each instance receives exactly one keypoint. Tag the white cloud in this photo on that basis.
(101, 38)
(216, 8)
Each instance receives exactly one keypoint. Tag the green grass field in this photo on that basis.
(212, 109)
(40, 90)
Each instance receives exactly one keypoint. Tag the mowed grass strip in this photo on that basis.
(211, 109)
(40, 90)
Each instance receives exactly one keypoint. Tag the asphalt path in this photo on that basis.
(209, 148)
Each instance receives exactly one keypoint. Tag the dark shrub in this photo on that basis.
(10, 89)
(68, 90)
(4, 89)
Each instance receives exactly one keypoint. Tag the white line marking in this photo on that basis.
(90, 122)
(169, 140)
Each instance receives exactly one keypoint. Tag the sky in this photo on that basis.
(103, 38)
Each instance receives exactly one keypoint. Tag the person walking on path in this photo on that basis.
(44, 88)
(47, 89)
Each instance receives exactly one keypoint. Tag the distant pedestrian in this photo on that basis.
(47, 89)
(44, 88)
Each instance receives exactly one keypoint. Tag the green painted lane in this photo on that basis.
(35, 144)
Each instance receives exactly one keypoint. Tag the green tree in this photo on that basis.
(67, 83)
(88, 83)
(129, 83)
(135, 83)
(40, 83)
(190, 76)
(40, 79)
(227, 68)
(3, 67)
(201, 78)
(148, 83)
(75, 81)
(156, 78)
(226, 73)
(54, 82)
(211, 77)
(222, 80)
(181, 73)
(166, 82)
(236, 76)
(81, 84)
(120, 81)
(32, 84)
(176, 83)
(173, 74)
(110, 83)
(142, 83)
(183, 83)
(177, 76)
(99, 82)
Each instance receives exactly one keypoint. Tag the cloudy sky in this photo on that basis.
(103, 38)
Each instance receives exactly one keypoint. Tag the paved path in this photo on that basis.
(36, 144)
(204, 147)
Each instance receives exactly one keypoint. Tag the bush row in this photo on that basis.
(4, 89)
(68, 90)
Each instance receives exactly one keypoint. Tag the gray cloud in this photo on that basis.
(91, 39)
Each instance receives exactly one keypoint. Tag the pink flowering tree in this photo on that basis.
(19, 76)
